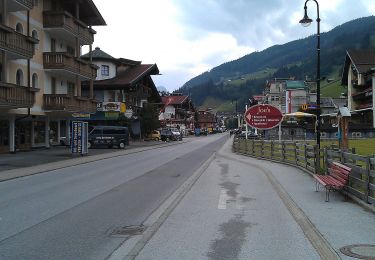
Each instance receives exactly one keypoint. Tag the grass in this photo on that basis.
(364, 147)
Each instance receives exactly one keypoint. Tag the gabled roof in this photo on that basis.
(362, 61)
(173, 100)
(98, 54)
(130, 76)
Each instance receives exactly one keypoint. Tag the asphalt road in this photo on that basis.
(72, 213)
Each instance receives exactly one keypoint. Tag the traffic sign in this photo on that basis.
(263, 116)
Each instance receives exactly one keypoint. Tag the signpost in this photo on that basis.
(263, 116)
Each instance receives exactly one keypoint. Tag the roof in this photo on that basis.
(173, 100)
(130, 76)
(98, 54)
(88, 12)
(362, 60)
(295, 84)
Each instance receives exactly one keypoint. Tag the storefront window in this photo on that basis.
(39, 132)
(4, 136)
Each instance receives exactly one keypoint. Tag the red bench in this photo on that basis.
(336, 180)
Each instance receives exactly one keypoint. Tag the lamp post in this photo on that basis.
(306, 21)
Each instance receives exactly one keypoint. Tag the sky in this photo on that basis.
(188, 37)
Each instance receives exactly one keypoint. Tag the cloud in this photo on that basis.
(187, 38)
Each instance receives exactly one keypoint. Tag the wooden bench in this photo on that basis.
(336, 180)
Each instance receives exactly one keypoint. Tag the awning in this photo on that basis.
(300, 114)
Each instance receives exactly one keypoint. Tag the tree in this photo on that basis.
(149, 118)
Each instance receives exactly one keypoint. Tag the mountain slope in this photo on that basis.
(294, 59)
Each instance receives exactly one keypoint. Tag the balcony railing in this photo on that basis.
(19, 5)
(20, 45)
(64, 102)
(65, 61)
(14, 96)
(64, 20)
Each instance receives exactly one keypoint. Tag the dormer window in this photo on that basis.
(105, 70)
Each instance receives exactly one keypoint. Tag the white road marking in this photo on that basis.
(223, 199)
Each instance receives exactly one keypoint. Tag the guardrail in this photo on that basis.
(362, 178)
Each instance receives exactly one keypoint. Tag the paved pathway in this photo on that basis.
(244, 208)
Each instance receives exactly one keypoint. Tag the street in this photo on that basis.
(190, 200)
(71, 213)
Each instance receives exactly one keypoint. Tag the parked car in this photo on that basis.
(167, 134)
(249, 135)
(177, 133)
(108, 136)
(154, 135)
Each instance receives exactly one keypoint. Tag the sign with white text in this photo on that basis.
(263, 116)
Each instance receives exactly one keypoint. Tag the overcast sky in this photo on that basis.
(188, 37)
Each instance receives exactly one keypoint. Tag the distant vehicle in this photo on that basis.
(170, 134)
(154, 135)
(249, 135)
(108, 136)
(177, 133)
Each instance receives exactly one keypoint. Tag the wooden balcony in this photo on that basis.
(66, 62)
(19, 46)
(66, 103)
(14, 96)
(62, 22)
(19, 5)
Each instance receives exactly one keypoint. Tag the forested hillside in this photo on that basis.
(241, 78)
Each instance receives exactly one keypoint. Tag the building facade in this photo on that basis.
(41, 69)
(122, 88)
(178, 110)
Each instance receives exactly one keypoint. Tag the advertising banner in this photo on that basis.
(79, 135)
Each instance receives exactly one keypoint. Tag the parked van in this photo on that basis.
(108, 136)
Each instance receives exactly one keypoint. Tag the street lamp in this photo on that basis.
(306, 21)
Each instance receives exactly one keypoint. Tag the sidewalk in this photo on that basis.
(244, 208)
(23, 164)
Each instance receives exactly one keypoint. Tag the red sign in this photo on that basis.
(263, 116)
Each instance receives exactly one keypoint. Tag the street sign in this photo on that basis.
(263, 116)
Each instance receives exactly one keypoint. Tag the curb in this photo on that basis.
(41, 168)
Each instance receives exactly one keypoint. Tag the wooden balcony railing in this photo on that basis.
(64, 102)
(26, 3)
(65, 61)
(64, 20)
(14, 96)
(20, 45)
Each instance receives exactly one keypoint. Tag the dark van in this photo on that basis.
(108, 136)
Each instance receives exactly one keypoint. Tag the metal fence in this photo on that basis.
(362, 179)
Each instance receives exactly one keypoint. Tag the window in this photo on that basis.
(70, 50)
(19, 28)
(105, 70)
(71, 89)
(53, 85)
(34, 81)
(356, 134)
(53, 45)
(19, 77)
